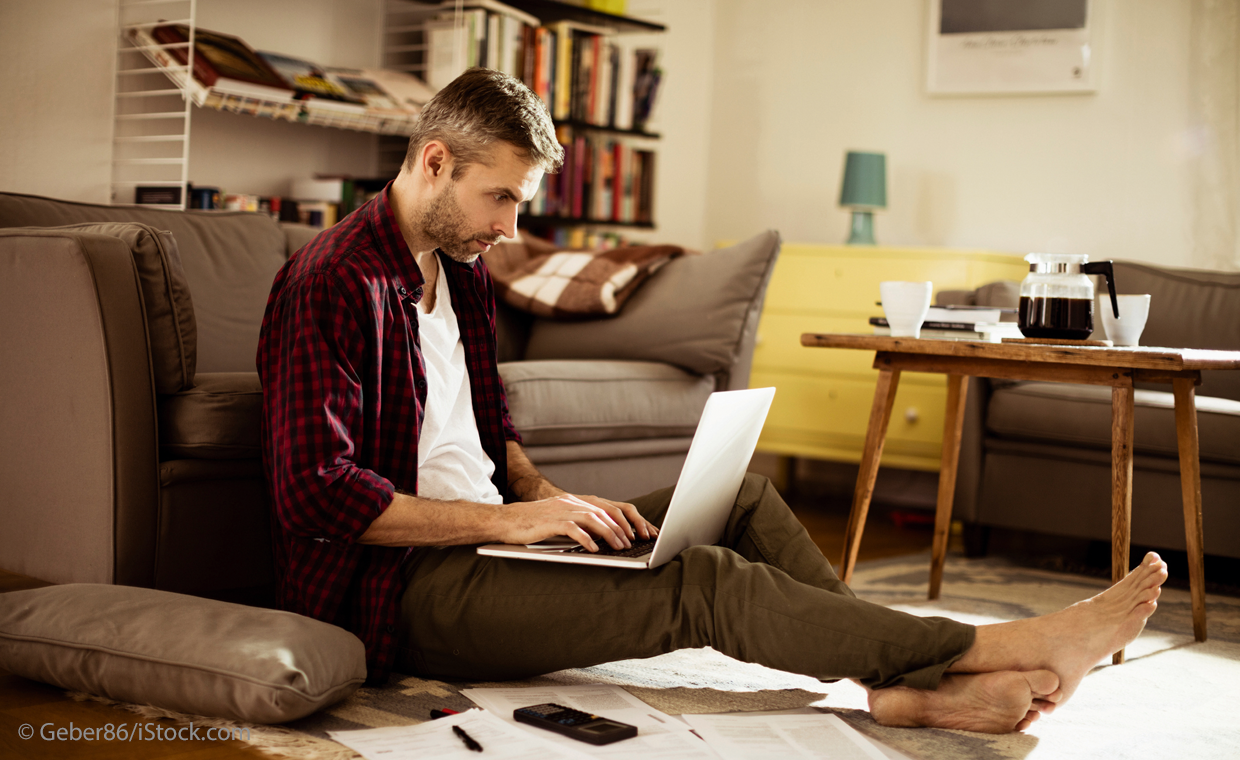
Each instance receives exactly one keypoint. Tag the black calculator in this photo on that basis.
(575, 724)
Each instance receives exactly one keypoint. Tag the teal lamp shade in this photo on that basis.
(863, 190)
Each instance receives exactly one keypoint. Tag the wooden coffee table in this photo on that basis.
(1093, 365)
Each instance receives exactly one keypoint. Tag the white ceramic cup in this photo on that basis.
(1133, 311)
(905, 305)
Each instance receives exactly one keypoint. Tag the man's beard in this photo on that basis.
(444, 223)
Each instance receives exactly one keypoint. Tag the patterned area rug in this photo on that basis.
(1173, 698)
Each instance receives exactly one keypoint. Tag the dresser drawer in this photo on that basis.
(815, 284)
(827, 417)
(779, 345)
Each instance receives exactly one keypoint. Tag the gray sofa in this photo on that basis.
(1036, 456)
(129, 402)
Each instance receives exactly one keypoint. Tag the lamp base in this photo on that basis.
(862, 231)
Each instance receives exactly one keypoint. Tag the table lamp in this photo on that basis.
(863, 190)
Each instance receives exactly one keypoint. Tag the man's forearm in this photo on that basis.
(525, 482)
(413, 521)
(542, 510)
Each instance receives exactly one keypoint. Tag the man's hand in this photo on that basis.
(578, 517)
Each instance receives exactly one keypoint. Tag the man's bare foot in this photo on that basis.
(994, 703)
(1072, 641)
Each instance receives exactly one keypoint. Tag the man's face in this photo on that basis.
(468, 216)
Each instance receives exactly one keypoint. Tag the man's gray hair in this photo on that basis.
(480, 108)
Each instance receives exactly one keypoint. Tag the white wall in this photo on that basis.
(56, 122)
(682, 116)
(799, 82)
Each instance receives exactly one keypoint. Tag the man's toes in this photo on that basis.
(1042, 682)
(1043, 706)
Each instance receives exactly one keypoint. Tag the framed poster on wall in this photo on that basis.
(997, 47)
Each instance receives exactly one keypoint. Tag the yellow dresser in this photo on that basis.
(822, 407)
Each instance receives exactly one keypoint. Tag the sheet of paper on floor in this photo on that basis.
(659, 736)
(741, 736)
(436, 739)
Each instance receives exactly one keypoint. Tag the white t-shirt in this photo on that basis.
(451, 462)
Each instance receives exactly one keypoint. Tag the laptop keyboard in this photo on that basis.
(639, 548)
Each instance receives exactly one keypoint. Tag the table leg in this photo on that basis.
(1190, 486)
(953, 425)
(875, 436)
(1121, 484)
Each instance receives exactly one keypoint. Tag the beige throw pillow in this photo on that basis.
(178, 652)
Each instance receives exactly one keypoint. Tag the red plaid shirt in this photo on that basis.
(344, 388)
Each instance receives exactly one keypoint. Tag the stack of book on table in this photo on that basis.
(982, 323)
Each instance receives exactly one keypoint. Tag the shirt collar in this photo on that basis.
(391, 244)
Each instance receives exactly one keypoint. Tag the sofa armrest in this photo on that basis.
(78, 453)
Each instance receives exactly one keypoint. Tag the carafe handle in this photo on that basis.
(1104, 268)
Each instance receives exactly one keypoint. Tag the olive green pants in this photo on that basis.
(763, 594)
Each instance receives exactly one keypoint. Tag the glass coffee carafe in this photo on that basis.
(1057, 296)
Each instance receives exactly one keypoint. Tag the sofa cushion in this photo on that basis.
(1080, 415)
(171, 327)
(218, 418)
(575, 402)
(691, 314)
(178, 652)
(230, 259)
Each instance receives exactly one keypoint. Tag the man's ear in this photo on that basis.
(436, 161)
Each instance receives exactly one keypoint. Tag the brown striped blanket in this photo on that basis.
(535, 276)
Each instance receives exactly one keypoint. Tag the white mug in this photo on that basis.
(1133, 311)
(905, 305)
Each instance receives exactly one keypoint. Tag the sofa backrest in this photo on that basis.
(230, 259)
(1188, 309)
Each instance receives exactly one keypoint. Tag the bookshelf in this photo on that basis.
(156, 95)
(565, 61)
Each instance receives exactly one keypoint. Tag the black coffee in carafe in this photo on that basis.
(1056, 318)
(1057, 296)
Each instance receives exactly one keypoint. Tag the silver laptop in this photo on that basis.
(709, 481)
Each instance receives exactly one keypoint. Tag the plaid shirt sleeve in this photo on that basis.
(315, 398)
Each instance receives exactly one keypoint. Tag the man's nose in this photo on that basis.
(506, 225)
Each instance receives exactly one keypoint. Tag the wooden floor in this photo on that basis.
(24, 702)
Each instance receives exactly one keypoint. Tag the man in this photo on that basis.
(390, 453)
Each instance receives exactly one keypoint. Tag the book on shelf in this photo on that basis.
(222, 63)
(311, 85)
(646, 78)
(409, 91)
(364, 87)
(489, 33)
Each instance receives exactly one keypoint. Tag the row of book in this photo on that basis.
(590, 78)
(319, 202)
(604, 179)
(229, 75)
(582, 73)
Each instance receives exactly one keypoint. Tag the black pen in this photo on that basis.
(469, 740)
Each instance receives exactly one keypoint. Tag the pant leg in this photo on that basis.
(486, 618)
